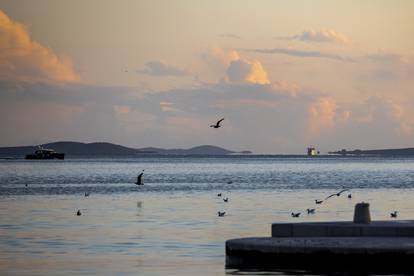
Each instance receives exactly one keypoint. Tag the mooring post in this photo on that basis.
(361, 213)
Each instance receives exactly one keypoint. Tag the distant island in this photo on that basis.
(102, 149)
(377, 152)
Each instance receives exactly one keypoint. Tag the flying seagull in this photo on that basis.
(336, 194)
(139, 178)
(310, 211)
(221, 214)
(295, 215)
(217, 125)
(394, 214)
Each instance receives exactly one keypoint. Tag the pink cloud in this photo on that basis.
(22, 58)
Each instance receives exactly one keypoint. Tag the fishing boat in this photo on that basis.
(42, 153)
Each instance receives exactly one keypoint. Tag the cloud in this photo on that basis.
(22, 58)
(229, 35)
(322, 113)
(389, 58)
(260, 117)
(243, 70)
(167, 107)
(217, 55)
(161, 69)
(300, 53)
(320, 36)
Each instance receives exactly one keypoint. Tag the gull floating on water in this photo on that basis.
(219, 194)
(221, 214)
(217, 125)
(78, 213)
(87, 194)
(226, 199)
(139, 178)
(295, 215)
(394, 214)
(318, 201)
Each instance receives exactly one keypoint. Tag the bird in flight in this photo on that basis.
(295, 215)
(310, 211)
(217, 125)
(394, 214)
(349, 196)
(139, 178)
(336, 194)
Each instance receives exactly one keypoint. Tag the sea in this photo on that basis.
(170, 225)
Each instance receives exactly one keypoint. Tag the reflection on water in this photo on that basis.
(174, 231)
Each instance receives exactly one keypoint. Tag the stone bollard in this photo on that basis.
(361, 213)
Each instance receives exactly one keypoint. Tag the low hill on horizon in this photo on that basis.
(108, 149)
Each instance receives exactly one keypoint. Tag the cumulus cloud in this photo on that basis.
(180, 117)
(300, 53)
(243, 70)
(217, 55)
(325, 35)
(322, 113)
(22, 58)
(161, 69)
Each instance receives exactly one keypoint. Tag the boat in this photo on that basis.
(42, 153)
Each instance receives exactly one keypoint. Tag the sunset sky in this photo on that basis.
(284, 74)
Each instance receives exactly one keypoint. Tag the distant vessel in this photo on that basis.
(312, 151)
(42, 153)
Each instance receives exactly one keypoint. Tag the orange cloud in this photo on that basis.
(243, 70)
(22, 58)
(321, 115)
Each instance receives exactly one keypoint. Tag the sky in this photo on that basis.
(284, 74)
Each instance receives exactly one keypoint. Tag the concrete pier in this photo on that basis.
(372, 247)
(323, 254)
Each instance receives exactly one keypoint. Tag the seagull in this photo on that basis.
(394, 214)
(219, 194)
(226, 199)
(336, 194)
(295, 215)
(310, 211)
(221, 214)
(318, 201)
(349, 196)
(79, 213)
(217, 125)
(139, 179)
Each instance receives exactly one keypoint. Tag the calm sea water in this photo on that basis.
(170, 225)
